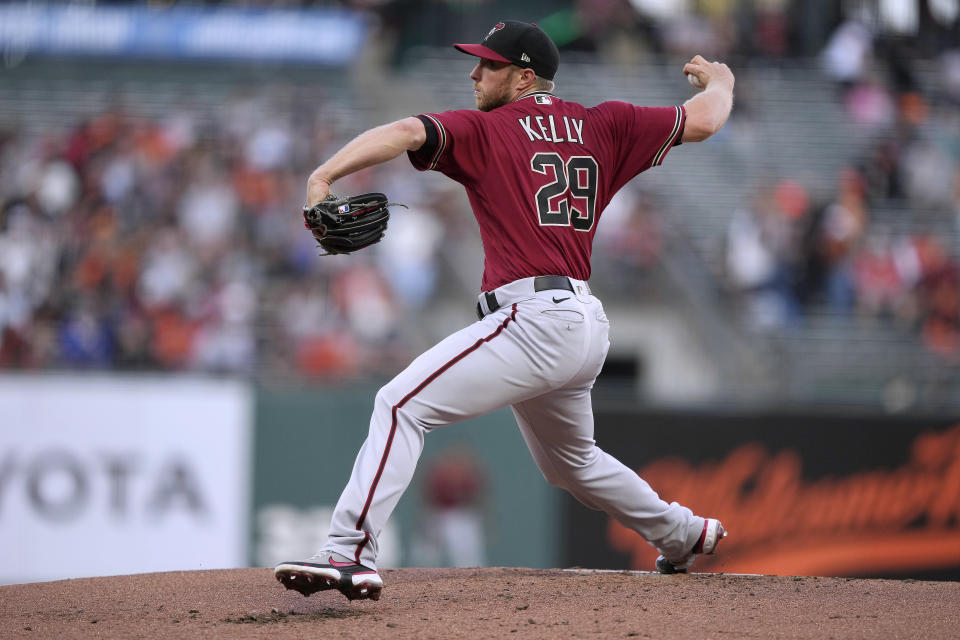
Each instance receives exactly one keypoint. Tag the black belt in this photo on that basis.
(540, 283)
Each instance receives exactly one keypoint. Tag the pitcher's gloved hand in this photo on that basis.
(348, 224)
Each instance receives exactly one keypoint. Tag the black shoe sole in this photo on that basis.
(664, 566)
(308, 583)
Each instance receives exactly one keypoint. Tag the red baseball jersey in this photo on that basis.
(540, 171)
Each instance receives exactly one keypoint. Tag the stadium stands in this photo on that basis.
(792, 124)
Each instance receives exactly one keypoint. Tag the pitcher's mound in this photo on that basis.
(482, 603)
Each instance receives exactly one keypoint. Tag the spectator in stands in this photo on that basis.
(13, 314)
(133, 341)
(409, 260)
(86, 335)
(927, 172)
(882, 290)
(955, 205)
(763, 253)
(310, 333)
(837, 236)
(870, 103)
(848, 53)
(881, 169)
(950, 75)
(939, 298)
(634, 240)
(364, 300)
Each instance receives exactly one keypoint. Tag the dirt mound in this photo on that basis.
(483, 603)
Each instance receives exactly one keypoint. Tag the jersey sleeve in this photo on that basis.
(640, 136)
(454, 145)
(423, 158)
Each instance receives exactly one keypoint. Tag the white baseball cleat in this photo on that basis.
(713, 533)
(324, 571)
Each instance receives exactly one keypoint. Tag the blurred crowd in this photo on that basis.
(628, 30)
(174, 243)
(885, 244)
(139, 243)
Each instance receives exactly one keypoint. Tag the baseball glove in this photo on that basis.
(348, 224)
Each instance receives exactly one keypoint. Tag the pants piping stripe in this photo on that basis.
(393, 425)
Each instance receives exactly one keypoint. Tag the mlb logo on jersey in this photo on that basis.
(343, 208)
(543, 99)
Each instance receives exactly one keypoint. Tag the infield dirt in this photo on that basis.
(483, 603)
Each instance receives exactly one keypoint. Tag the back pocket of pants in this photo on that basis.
(569, 315)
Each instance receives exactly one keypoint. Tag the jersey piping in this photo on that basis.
(436, 140)
(671, 139)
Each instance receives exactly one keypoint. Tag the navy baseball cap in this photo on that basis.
(519, 43)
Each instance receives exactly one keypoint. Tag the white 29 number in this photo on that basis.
(575, 180)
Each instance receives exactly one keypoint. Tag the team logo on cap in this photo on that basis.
(496, 28)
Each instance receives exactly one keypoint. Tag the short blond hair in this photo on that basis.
(542, 84)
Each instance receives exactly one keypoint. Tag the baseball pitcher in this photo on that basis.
(539, 171)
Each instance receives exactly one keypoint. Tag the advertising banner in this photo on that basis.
(828, 495)
(189, 32)
(106, 476)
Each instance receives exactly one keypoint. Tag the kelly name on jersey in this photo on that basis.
(548, 129)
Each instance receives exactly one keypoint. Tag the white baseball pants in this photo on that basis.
(539, 353)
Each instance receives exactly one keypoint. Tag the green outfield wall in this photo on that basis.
(304, 446)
